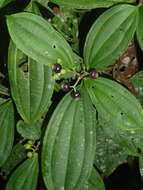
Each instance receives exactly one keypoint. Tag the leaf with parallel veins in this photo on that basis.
(37, 38)
(6, 130)
(88, 4)
(115, 103)
(31, 85)
(110, 35)
(69, 144)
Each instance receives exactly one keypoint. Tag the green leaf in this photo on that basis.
(88, 4)
(115, 103)
(95, 181)
(17, 154)
(67, 23)
(43, 2)
(6, 130)
(39, 40)
(137, 81)
(31, 85)
(109, 153)
(3, 3)
(25, 176)
(121, 142)
(139, 30)
(69, 144)
(2, 100)
(29, 131)
(110, 35)
(4, 90)
(32, 7)
(129, 140)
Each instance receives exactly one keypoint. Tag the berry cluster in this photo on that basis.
(32, 149)
(57, 68)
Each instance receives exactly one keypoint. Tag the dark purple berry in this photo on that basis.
(75, 95)
(93, 74)
(57, 68)
(65, 87)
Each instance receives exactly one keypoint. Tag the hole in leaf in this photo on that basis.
(112, 96)
(24, 68)
(122, 68)
(122, 113)
(54, 46)
(121, 29)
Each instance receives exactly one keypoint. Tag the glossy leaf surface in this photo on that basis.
(69, 144)
(31, 85)
(87, 4)
(139, 30)
(39, 40)
(115, 103)
(25, 176)
(110, 35)
(6, 130)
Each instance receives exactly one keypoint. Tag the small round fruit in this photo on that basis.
(35, 154)
(57, 68)
(30, 154)
(27, 146)
(56, 76)
(63, 71)
(65, 87)
(75, 95)
(30, 142)
(58, 60)
(93, 74)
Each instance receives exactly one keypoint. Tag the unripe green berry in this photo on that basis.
(30, 154)
(30, 142)
(63, 71)
(56, 76)
(27, 146)
(58, 60)
(35, 154)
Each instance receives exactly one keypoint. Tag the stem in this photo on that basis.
(36, 148)
(78, 80)
(140, 2)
